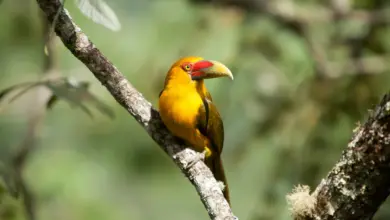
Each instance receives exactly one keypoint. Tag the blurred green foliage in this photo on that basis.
(301, 86)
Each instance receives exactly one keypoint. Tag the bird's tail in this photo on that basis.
(216, 166)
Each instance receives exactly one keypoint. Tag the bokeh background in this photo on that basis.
(306, 72)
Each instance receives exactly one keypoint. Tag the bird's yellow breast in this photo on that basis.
(179, 111)
(179, 108)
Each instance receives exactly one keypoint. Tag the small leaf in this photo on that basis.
(100, 13)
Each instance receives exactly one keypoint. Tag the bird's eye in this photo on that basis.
(187, 67)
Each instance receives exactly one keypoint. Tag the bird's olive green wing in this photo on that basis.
(208, 96)
(210, 124)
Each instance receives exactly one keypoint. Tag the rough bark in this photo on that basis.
(133, 101)
(359, 182)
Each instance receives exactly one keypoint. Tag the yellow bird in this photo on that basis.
(187, 110)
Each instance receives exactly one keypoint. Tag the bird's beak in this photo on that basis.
(207, 69)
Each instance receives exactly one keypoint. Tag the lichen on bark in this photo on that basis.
(359, 182)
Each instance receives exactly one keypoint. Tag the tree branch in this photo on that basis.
(133, 101)
(360, 182)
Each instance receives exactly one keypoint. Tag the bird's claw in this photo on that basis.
(199, 157)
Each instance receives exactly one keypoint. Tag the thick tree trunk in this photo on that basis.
(360, 181)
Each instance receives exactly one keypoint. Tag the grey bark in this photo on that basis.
(133, 101)
(360, 181)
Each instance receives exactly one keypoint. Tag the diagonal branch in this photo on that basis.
(133, 101)
(359, 182)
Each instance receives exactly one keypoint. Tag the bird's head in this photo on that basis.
(197, 68)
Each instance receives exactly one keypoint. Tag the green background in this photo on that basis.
(286, 121)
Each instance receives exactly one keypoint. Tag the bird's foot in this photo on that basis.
(199, 157)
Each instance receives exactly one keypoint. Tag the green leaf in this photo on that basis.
(99, 12)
